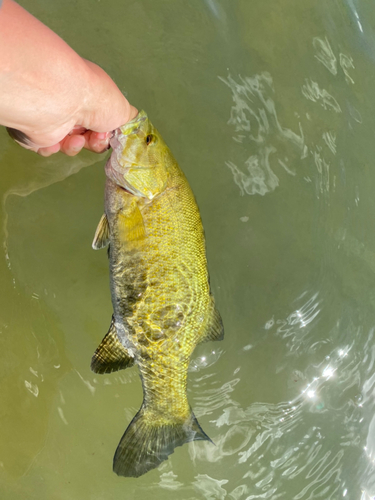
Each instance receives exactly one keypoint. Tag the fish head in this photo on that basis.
(139, 159)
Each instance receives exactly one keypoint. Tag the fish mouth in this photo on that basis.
(119, 135)
(134, 124)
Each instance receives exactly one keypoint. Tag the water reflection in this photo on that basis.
(209, 487)
(48, 172)
(293, 327)
(325, 55)
(291, 445)
(254, 119)
(168, 480)
(314, 93)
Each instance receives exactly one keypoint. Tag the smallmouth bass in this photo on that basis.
(162, 303)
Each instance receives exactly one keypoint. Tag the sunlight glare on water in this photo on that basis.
(269, 109)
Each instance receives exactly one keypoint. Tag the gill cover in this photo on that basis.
(138, 161)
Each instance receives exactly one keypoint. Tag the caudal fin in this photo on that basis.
(147, 442)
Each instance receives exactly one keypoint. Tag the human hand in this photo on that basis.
(89, 128)
(51, 99)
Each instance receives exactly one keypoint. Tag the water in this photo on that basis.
(268, 106)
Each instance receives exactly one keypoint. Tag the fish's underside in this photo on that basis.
(160, 290)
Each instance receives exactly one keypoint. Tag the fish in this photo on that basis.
(163, 306)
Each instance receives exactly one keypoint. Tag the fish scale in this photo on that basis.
(163, 306)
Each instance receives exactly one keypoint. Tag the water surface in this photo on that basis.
(269, 108)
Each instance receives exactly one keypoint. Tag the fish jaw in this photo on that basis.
(119, 139)
(114, 174)
(115, 168)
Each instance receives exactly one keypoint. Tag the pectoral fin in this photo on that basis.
(111, 355)
(215, 327)
(101, 238)
(130, 225)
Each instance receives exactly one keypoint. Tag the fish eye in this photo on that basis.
(149, 139)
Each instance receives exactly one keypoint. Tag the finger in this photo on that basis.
(72, 144)
(48, 151)
(98, 142)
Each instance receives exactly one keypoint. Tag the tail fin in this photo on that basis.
(147, 442)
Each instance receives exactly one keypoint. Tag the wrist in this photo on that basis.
(104, 107)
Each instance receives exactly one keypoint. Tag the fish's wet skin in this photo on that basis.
(163, 306)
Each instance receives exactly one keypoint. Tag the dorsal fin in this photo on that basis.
(111, 355)
(101, 238)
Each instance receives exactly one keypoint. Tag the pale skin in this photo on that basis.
(61, 101)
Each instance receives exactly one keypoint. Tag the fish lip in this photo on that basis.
(128, 128)
(114, 141)
(134, 124)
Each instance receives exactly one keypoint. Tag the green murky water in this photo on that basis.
(269, 108)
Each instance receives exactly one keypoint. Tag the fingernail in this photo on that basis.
(102, 136)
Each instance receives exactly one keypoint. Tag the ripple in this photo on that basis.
(346, 63)
(211, 488)
(325, 54)
(254, 119)
(314, 93)
(297, 325)
(209, 358)
(210, 400)
(168, 481)
(305, 446)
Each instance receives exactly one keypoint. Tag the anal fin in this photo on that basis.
(215, 327)
(111, 355)
(101, 238)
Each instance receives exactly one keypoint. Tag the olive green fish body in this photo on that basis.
(160, 293)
